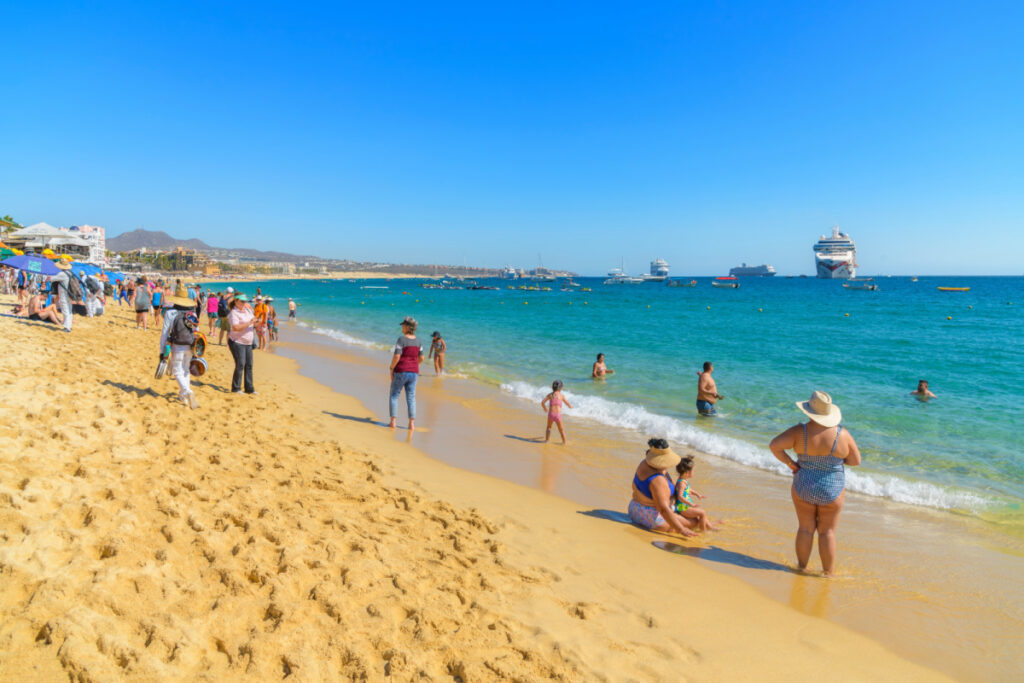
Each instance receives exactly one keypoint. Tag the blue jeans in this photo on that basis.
(407, 380)
(705, 407)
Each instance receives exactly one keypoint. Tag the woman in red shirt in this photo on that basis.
(405, 368)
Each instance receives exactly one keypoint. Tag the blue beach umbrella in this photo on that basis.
(31, 263)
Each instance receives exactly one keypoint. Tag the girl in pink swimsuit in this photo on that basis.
(553, 403)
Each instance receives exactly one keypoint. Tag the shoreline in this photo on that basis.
(192, 550)
(883, 564)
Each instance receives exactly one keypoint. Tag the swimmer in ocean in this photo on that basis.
(600, 370)
(922, 392)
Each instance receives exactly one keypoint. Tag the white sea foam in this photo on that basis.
(637, 418)
(343, 337)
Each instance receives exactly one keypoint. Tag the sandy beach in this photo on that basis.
(288, 535)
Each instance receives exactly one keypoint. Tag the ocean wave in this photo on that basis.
(639, 419)
(343, 337)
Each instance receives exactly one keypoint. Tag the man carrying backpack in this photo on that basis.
(63, 282)
(180, 323)
(93, 294)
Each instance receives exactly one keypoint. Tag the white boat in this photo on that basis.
(865, 283)
(659, 271)
(743, 270)
(835, 257)
(509, 273)
(726, 282)
(617, 277)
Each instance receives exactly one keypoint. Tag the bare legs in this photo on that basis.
(817, 518)
(547, 432)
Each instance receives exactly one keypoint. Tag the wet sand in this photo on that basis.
(284, 535)
(908, 576)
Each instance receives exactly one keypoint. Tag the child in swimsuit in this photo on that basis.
(553, 403)
(437, 349)
(683, 498)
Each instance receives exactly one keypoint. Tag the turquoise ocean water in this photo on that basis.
(772, 341)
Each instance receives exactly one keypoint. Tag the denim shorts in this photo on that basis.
(705, 407)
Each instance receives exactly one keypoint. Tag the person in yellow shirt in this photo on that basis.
(260, 322)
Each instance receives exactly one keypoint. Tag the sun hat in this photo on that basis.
(241, 297)
(821, 409)
(180, 298)
(409, 320)
(63, 265)
(435, 334)
(661, 458)
(231, 290)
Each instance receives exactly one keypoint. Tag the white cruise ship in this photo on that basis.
(509, 273)
(659, 271)
(743, 270)
(836, 257)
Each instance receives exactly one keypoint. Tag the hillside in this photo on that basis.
(152, 239)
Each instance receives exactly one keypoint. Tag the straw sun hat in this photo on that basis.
(821, 409)
(63, 265)
(661, 458)
(180, 298)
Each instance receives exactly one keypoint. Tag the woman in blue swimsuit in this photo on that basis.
(819, 477)
(651, 506)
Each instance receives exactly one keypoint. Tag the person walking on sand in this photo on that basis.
(553, 403)
(707, 391)
(819, 478)
(405, 368)
(223, 309)
(600, 370)
(651, 506)
(142, 304)
(62, 281)
(180, 323)
(240, 340)
(212, 306)
(922, 392)
(437, 349)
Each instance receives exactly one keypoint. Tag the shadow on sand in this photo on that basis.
(709, 553)
(527, 439)
(353, 418)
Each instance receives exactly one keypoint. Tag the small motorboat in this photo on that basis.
(865, 283)
(680, 283)
(954, 289)
(728, 282)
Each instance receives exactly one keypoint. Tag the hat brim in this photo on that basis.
(834, 417)
(662, 461)
(181, 301)
(63, 265)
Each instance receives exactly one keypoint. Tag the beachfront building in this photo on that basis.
(83, 243)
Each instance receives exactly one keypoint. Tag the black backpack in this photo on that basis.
(93, 285)
(222, 309)
(181, 334)
(74, 288)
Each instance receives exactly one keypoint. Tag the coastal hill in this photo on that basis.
(157, 240)
(160, 240)
(152, 239)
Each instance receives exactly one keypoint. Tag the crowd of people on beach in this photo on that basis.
(175, 307)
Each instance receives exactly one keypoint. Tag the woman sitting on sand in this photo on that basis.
(651, 506)
(819, 478)
(36, 311)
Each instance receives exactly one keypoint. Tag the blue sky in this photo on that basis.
(706, 133)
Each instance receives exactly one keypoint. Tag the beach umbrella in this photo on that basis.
(5, 252)
(48, 253)
(32, 264)
(17, 252)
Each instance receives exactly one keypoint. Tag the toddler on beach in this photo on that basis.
(553, 403)
(683, 502)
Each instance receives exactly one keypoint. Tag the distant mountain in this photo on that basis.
(150, 239)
